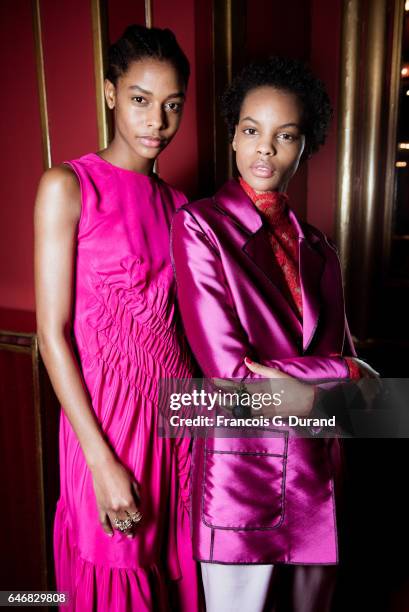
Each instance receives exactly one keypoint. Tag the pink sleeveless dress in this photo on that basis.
(128, 335)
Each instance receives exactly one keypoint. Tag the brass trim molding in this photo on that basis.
(228, 33)
(391, 136)
(375, 68)
(5, 332)
(42, 90)
(99, 37)
(148, 14)
(370, 42)
(347, 115)
(149, 24)
(14, 348)
(222, 75)
(35, 360)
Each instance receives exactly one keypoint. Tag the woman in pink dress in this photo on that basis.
(108, 330)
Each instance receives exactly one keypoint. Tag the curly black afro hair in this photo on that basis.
(286, 74)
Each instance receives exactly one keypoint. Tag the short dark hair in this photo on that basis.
(137, 43)
(292, 76)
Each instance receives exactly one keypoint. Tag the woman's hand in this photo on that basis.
(365, 369)
(117, 494)
(298, 397)
(369, 382)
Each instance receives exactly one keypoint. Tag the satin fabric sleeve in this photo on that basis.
(210, 320)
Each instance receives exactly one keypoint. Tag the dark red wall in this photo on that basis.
(122, 13)
(300, 28)
(21, 153)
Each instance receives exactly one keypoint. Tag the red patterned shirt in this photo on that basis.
(283, 236)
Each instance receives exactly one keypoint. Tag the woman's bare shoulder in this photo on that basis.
(59, 192)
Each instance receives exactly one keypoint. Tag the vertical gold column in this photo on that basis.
(373, 98)
(148, 14)
(149, 24)
(42, 91)
(391, 136)
(360, 183)
(99, 37)
(228, 35)
(371, 155)
(346, 127)
(222, 74)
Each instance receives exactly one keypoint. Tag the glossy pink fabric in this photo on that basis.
(271, 499)
(128, 336)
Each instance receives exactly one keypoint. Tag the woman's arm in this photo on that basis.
(57, 211)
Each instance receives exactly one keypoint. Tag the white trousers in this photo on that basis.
(235, 588)
(255, 588)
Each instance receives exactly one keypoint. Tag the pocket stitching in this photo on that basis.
(283, 485)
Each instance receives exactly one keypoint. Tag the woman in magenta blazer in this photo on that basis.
(254, 281)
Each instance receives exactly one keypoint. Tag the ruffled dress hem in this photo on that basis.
(91, 586)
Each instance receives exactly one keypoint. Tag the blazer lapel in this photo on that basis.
(311, 268)
(256, 245)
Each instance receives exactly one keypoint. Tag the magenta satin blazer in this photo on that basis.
(270, 499)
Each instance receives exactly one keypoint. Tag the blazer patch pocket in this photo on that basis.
(244, 481)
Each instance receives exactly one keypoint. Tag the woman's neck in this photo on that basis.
(117, 154)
